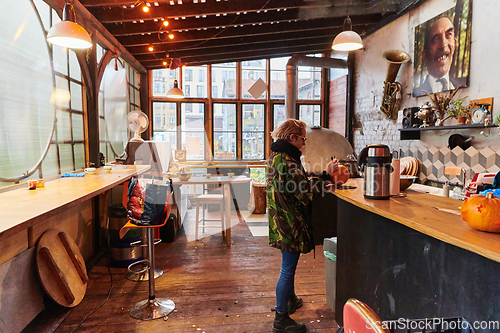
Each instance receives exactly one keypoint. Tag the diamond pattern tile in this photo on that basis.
(433, 161)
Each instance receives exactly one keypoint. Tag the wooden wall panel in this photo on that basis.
(76, 222)
(13, 245)
(337, 105)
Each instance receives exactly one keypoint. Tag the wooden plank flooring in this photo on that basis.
(215, 288)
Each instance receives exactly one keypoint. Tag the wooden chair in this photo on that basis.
(360, 318)
(212, 195)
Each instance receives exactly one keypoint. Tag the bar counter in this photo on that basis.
(414, 257)
(21, 208)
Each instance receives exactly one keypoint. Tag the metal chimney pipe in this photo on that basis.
(291, 77)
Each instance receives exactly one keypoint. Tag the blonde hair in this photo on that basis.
(289, 127)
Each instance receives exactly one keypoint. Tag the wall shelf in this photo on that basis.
(414, 133)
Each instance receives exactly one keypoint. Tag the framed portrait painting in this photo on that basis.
(442, 51)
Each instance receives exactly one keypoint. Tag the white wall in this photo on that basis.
(371, 70)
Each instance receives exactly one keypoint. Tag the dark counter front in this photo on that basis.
(404, 273)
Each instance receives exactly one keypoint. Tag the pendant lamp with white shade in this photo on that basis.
(68, 33)
(347, 40)
(175, 92)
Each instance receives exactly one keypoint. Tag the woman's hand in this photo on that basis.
(332, 166)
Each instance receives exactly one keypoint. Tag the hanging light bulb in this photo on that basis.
(68, 33)
(175, 92)
(347, 40)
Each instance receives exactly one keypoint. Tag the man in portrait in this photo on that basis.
(439, 47)
(442, 51)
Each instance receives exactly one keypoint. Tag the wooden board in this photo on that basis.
(61, 268)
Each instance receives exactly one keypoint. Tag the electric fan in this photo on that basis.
(137, 122)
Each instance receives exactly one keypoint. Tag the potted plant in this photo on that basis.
(459, 110)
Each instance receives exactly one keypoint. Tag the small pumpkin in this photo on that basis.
(482, 212)
(341, 176)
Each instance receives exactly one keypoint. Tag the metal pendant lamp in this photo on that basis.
(68, 33)
(175, 92)
(347, 40)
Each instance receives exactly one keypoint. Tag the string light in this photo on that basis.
(171, 36)
(165, 23)
(145, 9)
(150, 49)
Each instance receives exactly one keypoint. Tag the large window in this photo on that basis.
(251, 72)
(195, 77)
(311, 114)
(232, 109)
(279, 115)
(165, 130)
(278, 77)
(163, 80)
(193, 131)
(225, 77)
(252, 134)
(309, 82)
(224, 131)
(41, 105)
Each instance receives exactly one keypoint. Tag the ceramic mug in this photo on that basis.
(107, 168)
(208, 175)
(230, 174)
(90, 171)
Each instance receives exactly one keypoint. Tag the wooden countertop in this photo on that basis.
(20, 208)
(435, 216)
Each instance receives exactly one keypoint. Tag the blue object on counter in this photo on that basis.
(496, 192)
(72, 175)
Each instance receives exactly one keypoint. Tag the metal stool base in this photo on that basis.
(143, 276)
(152, 309)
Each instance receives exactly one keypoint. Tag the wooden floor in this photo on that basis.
(215, 288)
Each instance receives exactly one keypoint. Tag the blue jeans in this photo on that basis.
(285, 286)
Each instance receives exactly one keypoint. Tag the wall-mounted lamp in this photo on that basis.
(68, 33)
(175, 92)
(347, 40)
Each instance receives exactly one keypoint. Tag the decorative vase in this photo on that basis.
(462, 120)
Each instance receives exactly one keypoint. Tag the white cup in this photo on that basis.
(107, 168)
(208, 175)
(90, 171)
(230, 174)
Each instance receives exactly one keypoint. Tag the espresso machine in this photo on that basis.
(375, 162)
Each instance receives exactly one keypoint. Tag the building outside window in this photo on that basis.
(165, 131)
(193, 132)
(252, 134)
(188, 75)
(224, 137)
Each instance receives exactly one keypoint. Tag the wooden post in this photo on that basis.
(258, 198)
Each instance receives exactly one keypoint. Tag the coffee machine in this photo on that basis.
(375, 161)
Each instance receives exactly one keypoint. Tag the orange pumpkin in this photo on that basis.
(340, 176)
(482, 212)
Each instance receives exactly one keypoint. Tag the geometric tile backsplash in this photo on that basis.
(433, 160)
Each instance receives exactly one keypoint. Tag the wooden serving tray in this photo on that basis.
(61, 268)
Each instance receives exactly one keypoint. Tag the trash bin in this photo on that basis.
(330, 252)
(120, 251)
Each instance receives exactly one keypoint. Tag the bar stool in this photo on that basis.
(152, 307)
(142, 274)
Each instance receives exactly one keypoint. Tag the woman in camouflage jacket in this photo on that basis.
(290, 194)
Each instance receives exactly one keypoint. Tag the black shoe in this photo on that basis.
(294, 303)
(284, 324)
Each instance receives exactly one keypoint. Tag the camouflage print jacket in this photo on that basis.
(290, 194)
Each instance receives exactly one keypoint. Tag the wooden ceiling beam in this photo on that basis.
(246, 56)
(304, 12)
(302, 36)
(359, 24)
(228, 49)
